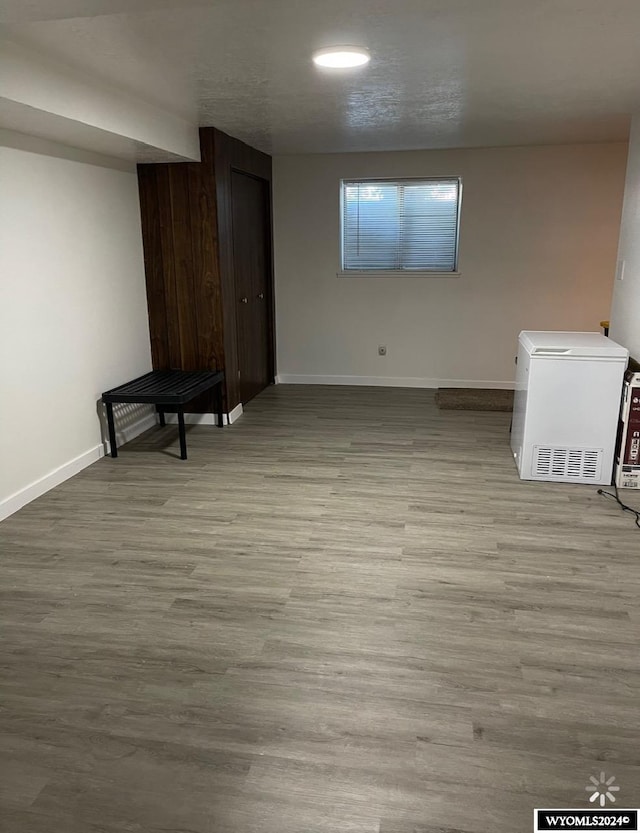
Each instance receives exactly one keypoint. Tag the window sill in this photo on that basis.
(409, 273)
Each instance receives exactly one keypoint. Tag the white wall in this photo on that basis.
(73, 316)
(538, 246)
(42, 97)
(625, 312)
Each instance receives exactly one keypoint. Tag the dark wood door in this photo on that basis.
(252, 272)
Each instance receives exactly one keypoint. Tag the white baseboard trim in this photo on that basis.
(67, 470)
(390, 381)
(34, 490)
(207, 419)
(235, 414)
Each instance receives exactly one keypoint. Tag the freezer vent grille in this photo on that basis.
(557, 463)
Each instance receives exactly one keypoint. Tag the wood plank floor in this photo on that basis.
(342, 614)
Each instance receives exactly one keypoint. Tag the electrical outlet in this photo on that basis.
(382, 349)
(620, 270)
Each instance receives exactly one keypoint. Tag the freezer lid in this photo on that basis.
(579, 345)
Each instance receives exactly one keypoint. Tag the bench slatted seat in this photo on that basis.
(168, 390)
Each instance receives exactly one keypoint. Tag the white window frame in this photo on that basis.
(402, 273)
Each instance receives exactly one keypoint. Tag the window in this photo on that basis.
(400, 225)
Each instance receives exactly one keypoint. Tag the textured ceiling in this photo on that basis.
(444, 73)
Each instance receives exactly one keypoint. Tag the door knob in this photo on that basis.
(261, 296)
(244, 300)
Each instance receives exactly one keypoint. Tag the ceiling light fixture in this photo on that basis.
(341, 57)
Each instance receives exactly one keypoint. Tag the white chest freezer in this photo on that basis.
(566, 405)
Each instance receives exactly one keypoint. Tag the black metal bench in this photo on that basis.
(168, 390)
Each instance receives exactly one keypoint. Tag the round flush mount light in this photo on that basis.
(341, 57)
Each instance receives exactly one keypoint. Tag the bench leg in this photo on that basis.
(112, 430)
(183, 436)
(161, 415)
(218, 404)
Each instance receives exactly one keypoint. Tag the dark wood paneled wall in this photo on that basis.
(188, 249)
(179, 231)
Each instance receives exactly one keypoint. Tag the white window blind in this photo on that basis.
(400, 225)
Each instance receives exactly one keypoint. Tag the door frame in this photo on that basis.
(269, 261)
(223, 154)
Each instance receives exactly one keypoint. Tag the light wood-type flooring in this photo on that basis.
(345, 613)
